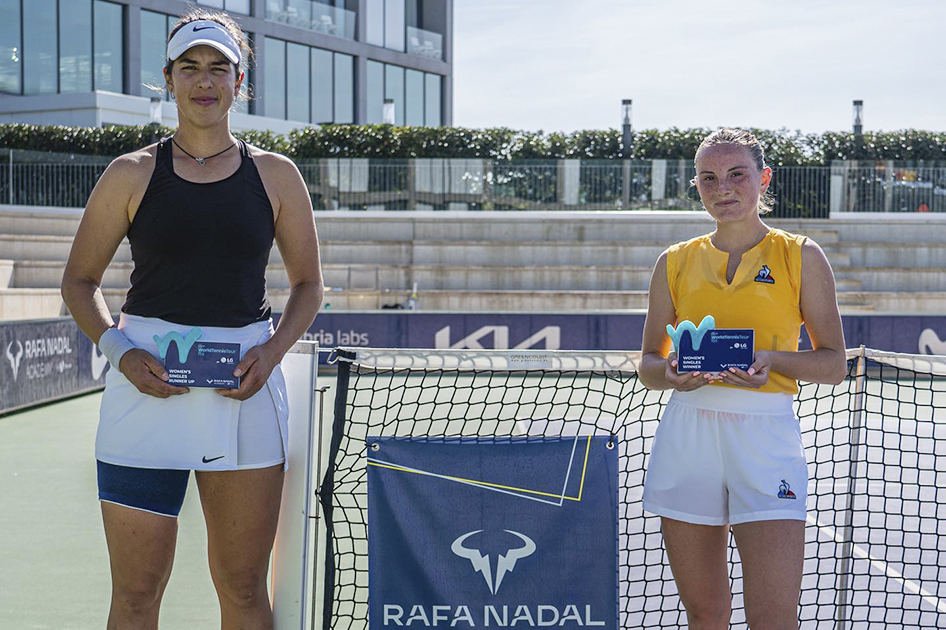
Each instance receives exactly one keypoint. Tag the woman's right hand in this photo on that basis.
(147, 374)
(687, 381)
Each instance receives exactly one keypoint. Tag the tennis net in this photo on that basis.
(875, 552)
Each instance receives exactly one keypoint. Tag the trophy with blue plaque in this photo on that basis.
(711, 350)
(199, 363)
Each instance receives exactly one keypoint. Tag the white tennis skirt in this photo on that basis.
(199, 430)
(723, 455)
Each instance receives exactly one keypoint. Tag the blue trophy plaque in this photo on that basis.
(199, 363)
(711, 350)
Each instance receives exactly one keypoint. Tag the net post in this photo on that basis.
(327, 487)
(321, 391)
(847, 531)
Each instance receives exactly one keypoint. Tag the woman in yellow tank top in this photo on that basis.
(728, 449)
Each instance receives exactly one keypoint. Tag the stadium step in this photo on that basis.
(48, 274)
(489, 253)
(847, 284)
(23, 247)
(40, 220)
(518, 301)
(27, 303)
(45, 248)
(489, 260)
(660, 227)
(912, 280)
(902, 255)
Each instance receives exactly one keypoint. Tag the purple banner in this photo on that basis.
(49, 359)
(580, 331)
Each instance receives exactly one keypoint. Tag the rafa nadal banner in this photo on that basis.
(45, 360)
(492, 532)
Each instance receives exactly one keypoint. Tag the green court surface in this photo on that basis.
(53, 559)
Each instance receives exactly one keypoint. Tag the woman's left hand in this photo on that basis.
(257, 364)
(755, 377)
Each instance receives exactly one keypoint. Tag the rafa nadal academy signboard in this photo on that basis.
(492, 532)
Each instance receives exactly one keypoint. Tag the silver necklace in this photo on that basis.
(200, 160)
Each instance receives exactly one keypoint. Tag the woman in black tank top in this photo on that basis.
(201, 211)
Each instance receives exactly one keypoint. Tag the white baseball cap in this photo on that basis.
(204, 33)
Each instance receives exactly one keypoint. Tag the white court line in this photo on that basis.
(568, 472)
(883, 567)
(465, 483)
(427, 473)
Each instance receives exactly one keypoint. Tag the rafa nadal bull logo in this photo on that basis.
(14, 359)
(504, 564)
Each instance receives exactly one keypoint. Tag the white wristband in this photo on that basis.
(114, 344)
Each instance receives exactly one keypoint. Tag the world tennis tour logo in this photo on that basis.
(930, 343)
(505, 563)
(765, 275)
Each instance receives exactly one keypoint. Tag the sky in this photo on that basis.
(565, 65)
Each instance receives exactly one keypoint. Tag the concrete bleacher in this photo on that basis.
(501, 261)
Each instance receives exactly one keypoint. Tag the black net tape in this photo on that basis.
(875, 552)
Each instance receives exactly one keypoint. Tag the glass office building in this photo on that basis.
(94, 62)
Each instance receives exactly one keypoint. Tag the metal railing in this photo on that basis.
(424, 43)
(314, 16)
(37, 178)
(54, 179)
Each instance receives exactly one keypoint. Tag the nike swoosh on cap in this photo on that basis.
(202, 28)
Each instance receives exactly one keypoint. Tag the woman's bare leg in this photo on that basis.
(241, 508)
(697, 555)
(141, 553)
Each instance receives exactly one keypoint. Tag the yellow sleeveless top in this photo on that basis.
(764, 294)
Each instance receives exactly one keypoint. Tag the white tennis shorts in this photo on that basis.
(200, 430)
(723, 455)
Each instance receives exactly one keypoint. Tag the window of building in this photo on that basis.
(416, 95)
(374, 22)
(11, 50)
(65, 46)
(308, 84)
(432, 100)
(344, 88)
(322, 78)
(385, 23)
(75, 46)
(274, 99)
(414, 98)
(394, 90)
(108, 42)
(322, 16)
(374, 96)
(39, 47)
(154, 36)
(234, 6)
(297, 93)
(394, 16)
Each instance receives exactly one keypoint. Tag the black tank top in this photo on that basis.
(200, 250)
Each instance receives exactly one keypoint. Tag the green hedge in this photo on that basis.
(783, 147)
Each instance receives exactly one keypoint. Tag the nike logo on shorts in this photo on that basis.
(212, 459)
